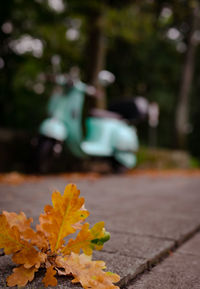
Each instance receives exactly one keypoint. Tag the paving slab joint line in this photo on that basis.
(130, 280)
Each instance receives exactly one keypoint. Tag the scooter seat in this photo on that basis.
(102, 113)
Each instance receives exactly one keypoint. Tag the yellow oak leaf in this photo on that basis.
(89, 273)
(87, 240)
(10, 239)
(29, 257)
(58, 220)
(21, 276)
(49, 279)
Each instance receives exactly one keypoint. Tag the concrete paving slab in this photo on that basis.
(127, 195)
(180, 203)
(158, 225)
(191, 247)
(110, 196)
(126, 266)
(177, 272)
(180, 270)
(148, 248)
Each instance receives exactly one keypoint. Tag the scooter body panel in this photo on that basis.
(53, 128)
(126, 145)
(125, 138)
(67, 108)
(99, 139)
(111, 137)
(127, 159)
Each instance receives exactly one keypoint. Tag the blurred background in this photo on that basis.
(151, 46)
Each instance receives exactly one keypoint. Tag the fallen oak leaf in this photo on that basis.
(58, 220)
(49, 279)
(114, 278)
(12, 243)
(26, 232)
(18, 220)
(37, 239)
(88, 240)
(89, 273)
(100, 235)
(29, 257)
(21, 276)
(10, 239)
(45, 247)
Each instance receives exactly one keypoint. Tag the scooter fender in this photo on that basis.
(125, 138)
(126, 145)
(53, 128)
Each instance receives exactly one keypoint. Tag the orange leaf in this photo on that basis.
(10, 239)
(36, 238)
(29, 257)
(49, 279)
(87, 240)
(89, 273)
(58, 220)
(18, 220)
(21, 276)
(26, 232)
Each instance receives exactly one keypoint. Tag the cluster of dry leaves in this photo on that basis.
(46, 247)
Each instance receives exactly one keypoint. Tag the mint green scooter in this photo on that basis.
(107, 134)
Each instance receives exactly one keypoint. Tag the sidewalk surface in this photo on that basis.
(154, 223)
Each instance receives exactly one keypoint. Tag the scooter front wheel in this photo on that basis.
(117, 167)
(48, 151)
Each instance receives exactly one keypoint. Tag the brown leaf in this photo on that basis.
(21, 276)
(61, 263)
(36, 238)
(12, 178)
(49, 279)
(29, 257)
(89, 273)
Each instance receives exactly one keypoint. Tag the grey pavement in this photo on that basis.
(148, 217)
(181, 270)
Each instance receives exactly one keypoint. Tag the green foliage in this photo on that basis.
(144, 60)
(22, 105)
(194, 163)
(156, 158)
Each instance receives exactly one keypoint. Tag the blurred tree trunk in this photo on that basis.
(96, 49)
(182, 110)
